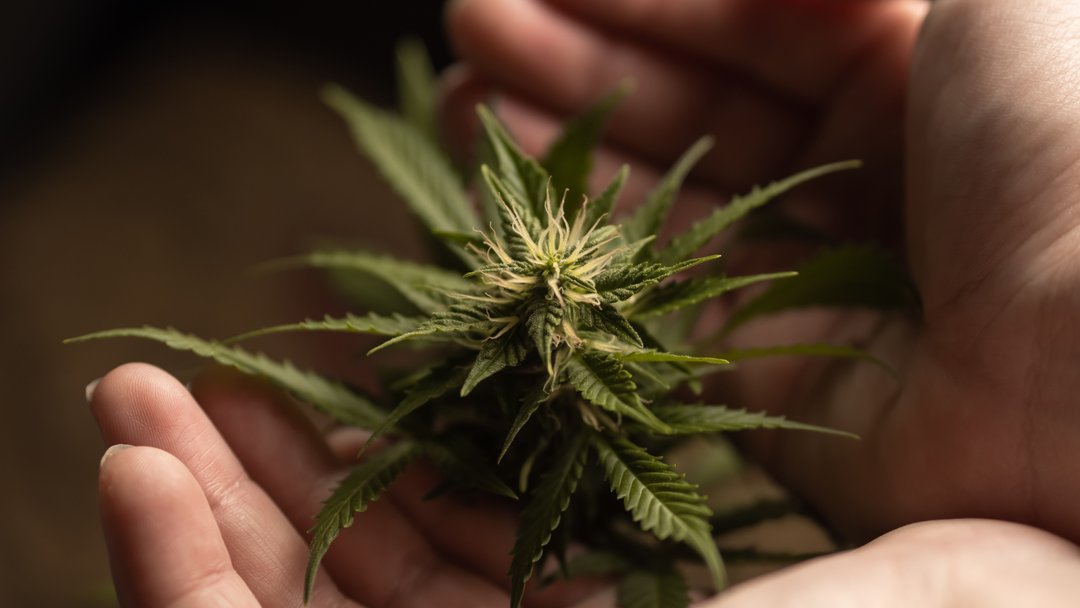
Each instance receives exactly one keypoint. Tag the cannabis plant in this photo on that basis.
(549, 380)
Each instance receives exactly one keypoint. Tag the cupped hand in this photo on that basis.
(211, 509)
(208, 511)
(966, 114)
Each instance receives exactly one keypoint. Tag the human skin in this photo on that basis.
(970, 127)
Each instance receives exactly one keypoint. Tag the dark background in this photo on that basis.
(152, 153)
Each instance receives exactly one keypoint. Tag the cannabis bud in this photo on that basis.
(549, 381)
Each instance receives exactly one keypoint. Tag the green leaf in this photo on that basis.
(371, 323)
(461, 321)
(529, 404)
(569, 159)
(541, 320)
(669, 298)
(685, 244)
(463, 462)
(650, 216)
(542, 515)
(653, 589)
(495, 355)
(353, 495)
(435, 384)
(655, 356)
(659, 499)
(511, 210)
(697, 419)
(526, 180)
(602, 380)
(849, 277)
(602, 204)
(330, 397)
(416, 87)
(607, 320)
(625, 280)
(409, 161)
(426, 287)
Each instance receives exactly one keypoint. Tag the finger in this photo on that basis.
(141, 405)
(802, 48)
(565, 66)
(164, 545)
(383, 559)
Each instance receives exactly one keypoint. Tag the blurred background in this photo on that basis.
(151, 154)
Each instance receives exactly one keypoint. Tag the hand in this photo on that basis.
(982, 166)
(211, 511)
(210, 516)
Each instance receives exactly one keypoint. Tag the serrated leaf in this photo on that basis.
(426, 287)
(697, 419)
(849, 277)
(409, 161)
(371, 323)
(353, 495)
(602, 204)
(606, 320)
(659, 499)
(461, 461)
(529, 404)
(569, 159)
(655, 356)
(495, 355)
(416, 87)
(330, 397)
(434, 384)
(461, 321)
(625, 280)
(514, 214)
(669, 298)
(541, 321)
(524, 177)
(650, 216)
(653, 589)
(685, 244)
(602, 380)
(542, 515)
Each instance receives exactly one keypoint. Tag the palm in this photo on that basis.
(980, 424)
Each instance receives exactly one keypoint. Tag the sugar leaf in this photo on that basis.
(650, 216)
(529, 404)
(569, 159)
(353, 495)
(432, 385)
(685, 244)
(601, 205)
(495, 355)
(409, 161)
(524, 177)
(624, 280)
(371, 323)
(330, 397)
(416, 87)
(847, 277)
(672, 297)
(697, 419)
(659, 499)
(549, 499)
(602, 380)
(664, 588)
(425, 287)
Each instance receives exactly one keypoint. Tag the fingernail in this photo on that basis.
(90, 388)
(112, 451)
